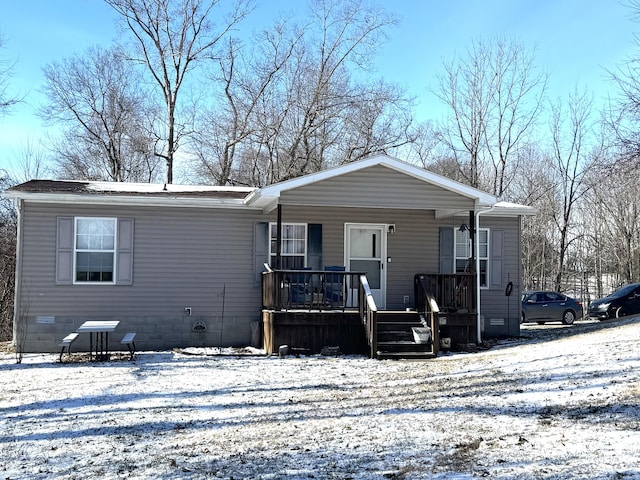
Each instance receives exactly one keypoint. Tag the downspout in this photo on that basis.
(278, 238)
(18, 274)
(477, 255)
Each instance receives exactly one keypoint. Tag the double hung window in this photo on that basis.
(94, 250)
(293, 251)
(462, 253)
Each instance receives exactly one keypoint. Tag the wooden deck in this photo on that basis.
(313, 330)
(309, 310)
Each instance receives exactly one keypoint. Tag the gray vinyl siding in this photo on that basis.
(412, 249)
(182, 258)
(379, 187)
(187, 257)
(502, 313)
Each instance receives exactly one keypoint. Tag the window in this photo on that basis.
(462, 253)
(94, 250)
(293, 245)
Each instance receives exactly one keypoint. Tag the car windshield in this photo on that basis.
(626, 290)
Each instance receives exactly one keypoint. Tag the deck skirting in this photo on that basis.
(312, 331)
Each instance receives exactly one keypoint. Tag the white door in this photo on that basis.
(366, 251)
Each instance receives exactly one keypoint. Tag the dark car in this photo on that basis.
(545, 307)
(624, 301)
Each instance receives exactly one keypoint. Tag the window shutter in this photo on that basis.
(314, 246)
(446, 250)
(260, 250)
(124, 255)
(64, 251)
(496, 252)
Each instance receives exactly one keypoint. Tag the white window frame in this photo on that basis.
(77, 250)
(464, 256)
(272, 240)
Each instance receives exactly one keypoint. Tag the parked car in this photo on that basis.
(624, 301)
(545, 307)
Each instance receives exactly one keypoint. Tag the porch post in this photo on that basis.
(279, 239)
(472, 235)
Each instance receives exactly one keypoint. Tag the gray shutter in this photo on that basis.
(64, 251)
(446, 250)
(260, 250)
(124, 255)
(496, 237)
(314, 246)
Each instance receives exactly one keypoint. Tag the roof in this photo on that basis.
(122, 188)
(265, 198)
(123, 192)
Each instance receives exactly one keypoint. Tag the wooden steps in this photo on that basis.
(395, 338)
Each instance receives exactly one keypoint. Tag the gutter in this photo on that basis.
(137, 200)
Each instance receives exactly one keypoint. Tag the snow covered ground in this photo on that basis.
(561, 402)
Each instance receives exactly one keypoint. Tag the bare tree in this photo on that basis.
(320, 93)
(573, 152)
(30, 161)
(612, 210)
(97, 97)
(173, 36)
(423, 150)
(227, 126)
(534, 185)
(6, 100)
(8, 225)
(290, 104)
(494, 96)
(623, 118)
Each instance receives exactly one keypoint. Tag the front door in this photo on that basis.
(365, 251)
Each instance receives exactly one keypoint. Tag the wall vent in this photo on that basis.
(199, 326)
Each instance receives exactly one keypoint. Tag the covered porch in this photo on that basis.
(309, 310)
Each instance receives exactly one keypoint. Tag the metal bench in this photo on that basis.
(66, 343)
(128, 340)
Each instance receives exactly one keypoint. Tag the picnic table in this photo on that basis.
(101, 328)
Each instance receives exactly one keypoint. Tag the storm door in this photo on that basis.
(365, 251)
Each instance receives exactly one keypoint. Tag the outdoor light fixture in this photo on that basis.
(463, 228)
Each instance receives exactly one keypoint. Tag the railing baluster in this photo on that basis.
(310, 289)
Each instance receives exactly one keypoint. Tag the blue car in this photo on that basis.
(545, 307)
(624, 301)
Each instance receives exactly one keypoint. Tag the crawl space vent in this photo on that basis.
(199, 326)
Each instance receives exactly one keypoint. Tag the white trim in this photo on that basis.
(305, 240)
(478, 289)
(265, 199)
(457, 257)
(75, 281)
(269, 194)
(138, 200)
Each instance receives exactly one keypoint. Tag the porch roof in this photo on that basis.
(268, 197)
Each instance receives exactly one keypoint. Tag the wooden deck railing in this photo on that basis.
(368, 313)
(310, 290)
(427, 306)
(449, 302)
(453, 292)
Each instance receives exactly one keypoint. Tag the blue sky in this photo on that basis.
(574, 41)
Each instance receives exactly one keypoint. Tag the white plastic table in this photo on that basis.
(101, 329)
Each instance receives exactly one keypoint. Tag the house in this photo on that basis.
(184, 265)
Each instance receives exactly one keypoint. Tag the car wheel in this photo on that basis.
(568, 317)
(620, 312)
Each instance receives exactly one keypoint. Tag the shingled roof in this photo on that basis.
(128, 189)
